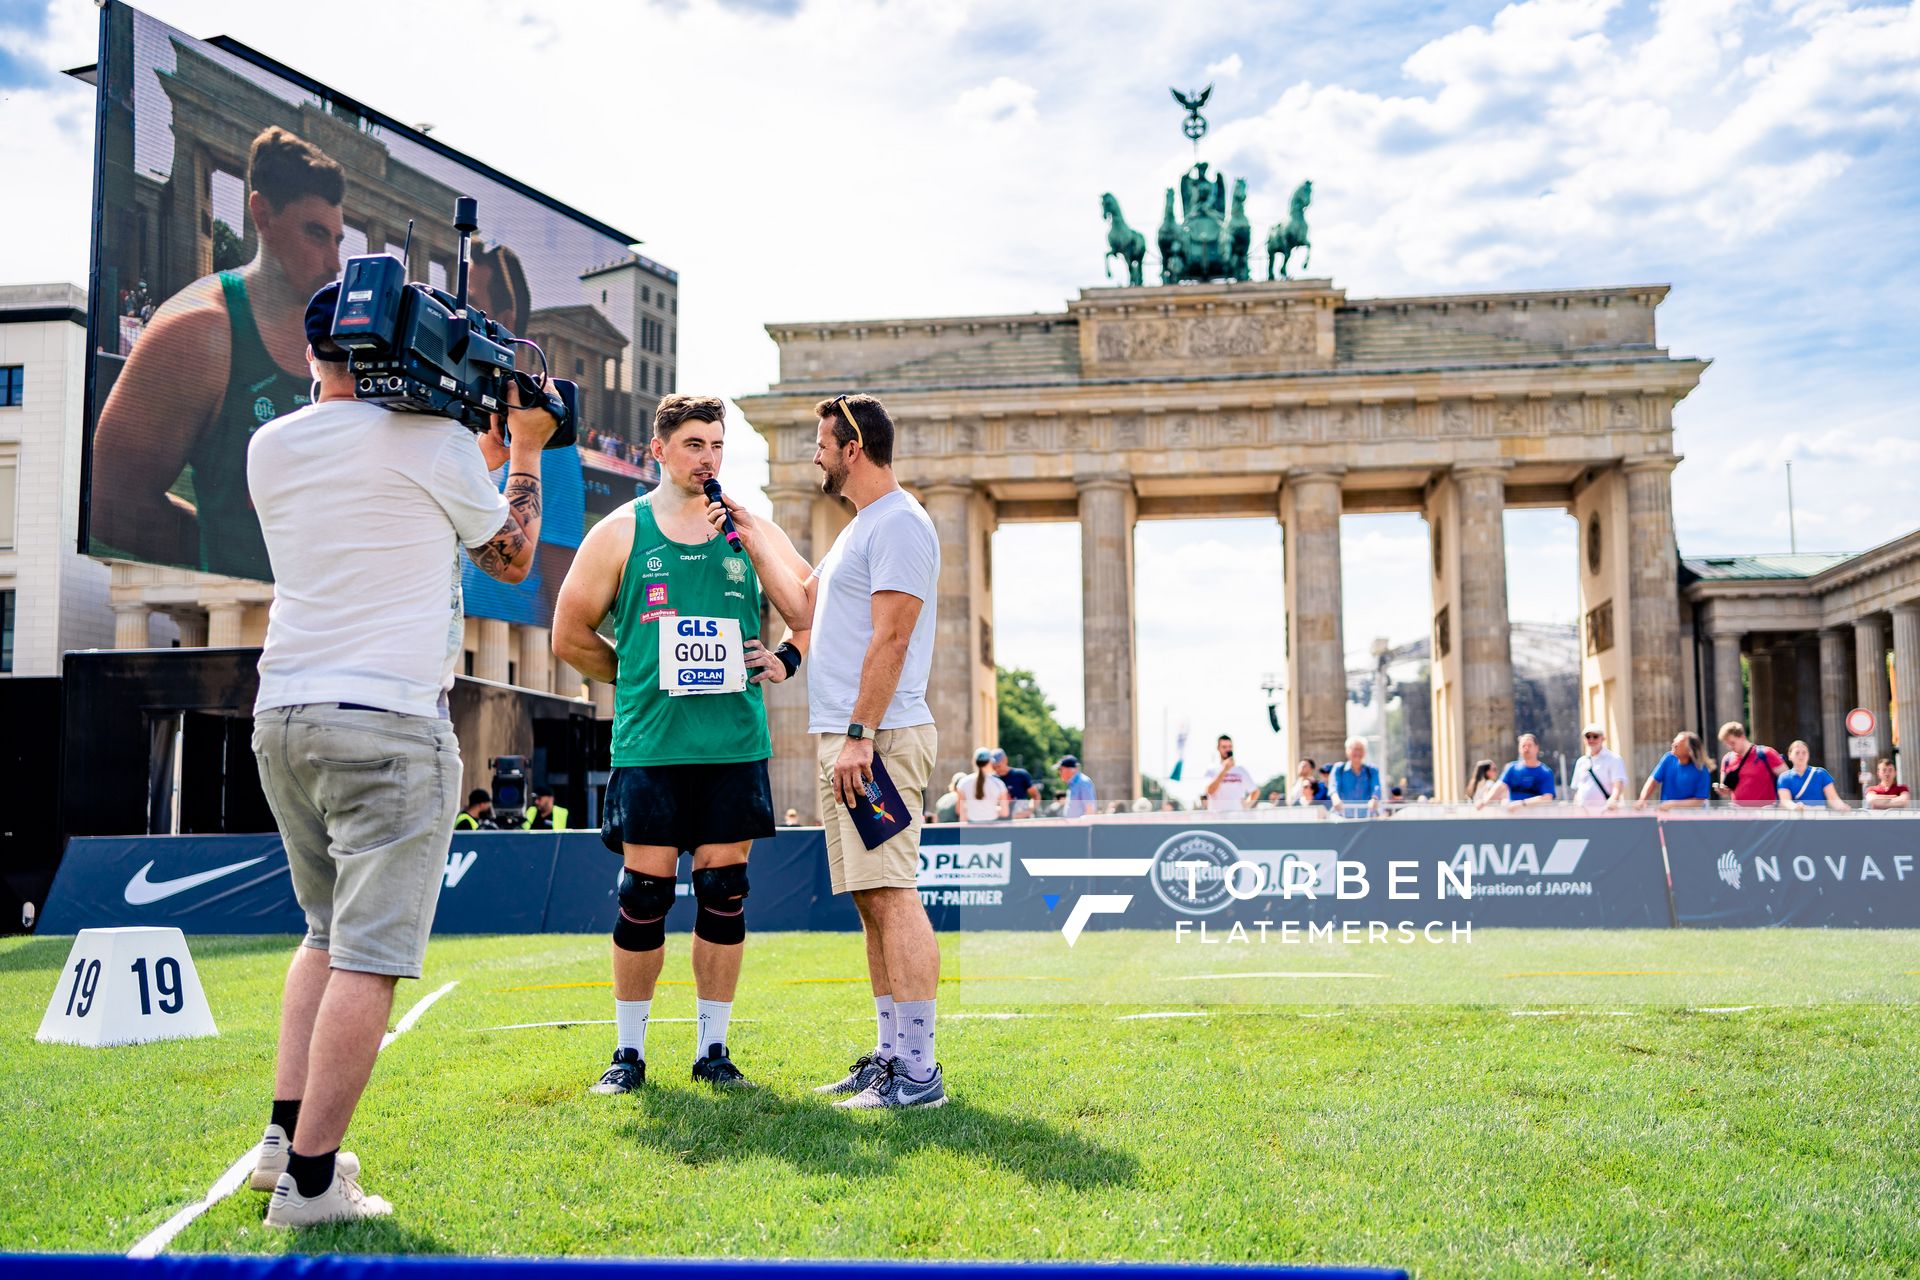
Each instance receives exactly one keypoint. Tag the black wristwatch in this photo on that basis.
(856, 731)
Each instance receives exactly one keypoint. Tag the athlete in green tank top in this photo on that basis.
(258, 391)
(664, 584)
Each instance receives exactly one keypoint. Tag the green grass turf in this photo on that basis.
(1410, 1118)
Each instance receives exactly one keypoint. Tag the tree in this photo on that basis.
(229, 250)
(1030, 732)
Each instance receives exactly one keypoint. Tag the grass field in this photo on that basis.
(1660, 1103)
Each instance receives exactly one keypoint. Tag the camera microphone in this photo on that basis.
(712, 488)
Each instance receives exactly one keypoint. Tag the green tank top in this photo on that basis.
(258, 391)
(666, 581)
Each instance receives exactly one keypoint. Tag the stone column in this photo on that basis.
(950, 684)
(130, 626)
(1906, 686)
(1317, 675)
(1654, 611)
(490, 655)
(1112, 757)
(224, 622)
(1808, 722)
(193, 628)
(602, 695)
(792, 769)
(1486, 657)
(1786, 694)
(565, 680)
(536, 658)
(1729, 690)
(1870, 677)
(1760, 693)
(1836, 692)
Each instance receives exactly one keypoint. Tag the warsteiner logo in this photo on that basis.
(1197, 890)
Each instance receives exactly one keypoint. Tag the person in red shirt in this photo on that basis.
(1748, 771)
(1891, 793)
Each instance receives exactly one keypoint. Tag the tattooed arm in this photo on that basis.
(508, 555)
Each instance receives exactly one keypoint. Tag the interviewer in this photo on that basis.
(364, 511)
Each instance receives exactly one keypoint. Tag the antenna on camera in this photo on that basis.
(406, 246)
(466, 220)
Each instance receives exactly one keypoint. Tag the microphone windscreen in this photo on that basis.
(712, 488)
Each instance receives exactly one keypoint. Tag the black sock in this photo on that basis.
(312, 1174)
(286, 1114)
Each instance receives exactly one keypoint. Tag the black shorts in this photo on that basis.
(683, 806)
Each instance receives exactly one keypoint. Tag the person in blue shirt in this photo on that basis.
(1683, 777)
(1080, 797)
(1524, 783)
(1807, 785)
(1355, 783)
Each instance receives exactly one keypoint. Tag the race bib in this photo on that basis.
(701, 655)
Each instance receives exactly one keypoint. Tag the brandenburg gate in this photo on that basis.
(1281, 400)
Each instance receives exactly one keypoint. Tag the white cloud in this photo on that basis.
(1226, 68)
(1003, 100)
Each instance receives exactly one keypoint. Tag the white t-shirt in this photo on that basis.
(982, 809)
(1232, 794)
(364, 512)
(1608, 768)
(890, 546)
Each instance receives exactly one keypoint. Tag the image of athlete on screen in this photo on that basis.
(220, 358)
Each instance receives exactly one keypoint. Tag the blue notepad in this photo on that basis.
(881, 815)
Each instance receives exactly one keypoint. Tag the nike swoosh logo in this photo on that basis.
(141, 891)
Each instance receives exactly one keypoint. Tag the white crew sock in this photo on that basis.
(883, 1016)
(713, 1018)
(630, 1024)
(914, 1018)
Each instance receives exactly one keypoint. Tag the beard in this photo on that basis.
(832, 482)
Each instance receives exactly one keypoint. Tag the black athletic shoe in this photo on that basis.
(626, 1074)
(717, 1069)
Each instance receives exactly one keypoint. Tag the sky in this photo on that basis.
(838, 159)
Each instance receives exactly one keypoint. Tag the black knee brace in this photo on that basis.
(644, 903)
(721, 893)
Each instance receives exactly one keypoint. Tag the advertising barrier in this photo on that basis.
(1861, 872)
(1551, 872)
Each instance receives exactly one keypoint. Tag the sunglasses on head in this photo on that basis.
(846, 412)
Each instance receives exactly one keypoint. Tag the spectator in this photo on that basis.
(1308, 786)
(1080, 799)
(1021, 795)
(1143, 805)
(1481, 785)
(792, 818)
(1355, 783)
(1600, 778)
(1807, 785)
(1525, 783)
(1891, 793)
(1229, 786)
(947, 807)
(1117, 806)
(983, 796)
(1168, 806)
(478, 815)
(1748, 772)
(1682, 777)
(1273, 801)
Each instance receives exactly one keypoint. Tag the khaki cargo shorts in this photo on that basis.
(364, 801)
(908, 754)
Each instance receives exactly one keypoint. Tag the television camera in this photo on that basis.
(416, 349)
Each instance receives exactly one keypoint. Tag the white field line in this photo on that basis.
(1732, 1008)
(1225, 977)
(1171, 1013)
(156, 1240)
(597, 1022)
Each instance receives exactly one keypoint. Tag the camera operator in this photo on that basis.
(363, 511)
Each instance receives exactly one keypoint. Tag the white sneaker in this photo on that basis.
(342, 1201)
(273, 1160)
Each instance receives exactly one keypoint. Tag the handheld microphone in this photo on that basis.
(712, 488)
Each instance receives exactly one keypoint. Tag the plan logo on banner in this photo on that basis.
(965, 875)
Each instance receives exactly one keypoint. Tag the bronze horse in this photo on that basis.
(1287, 236)
(1123, 241)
